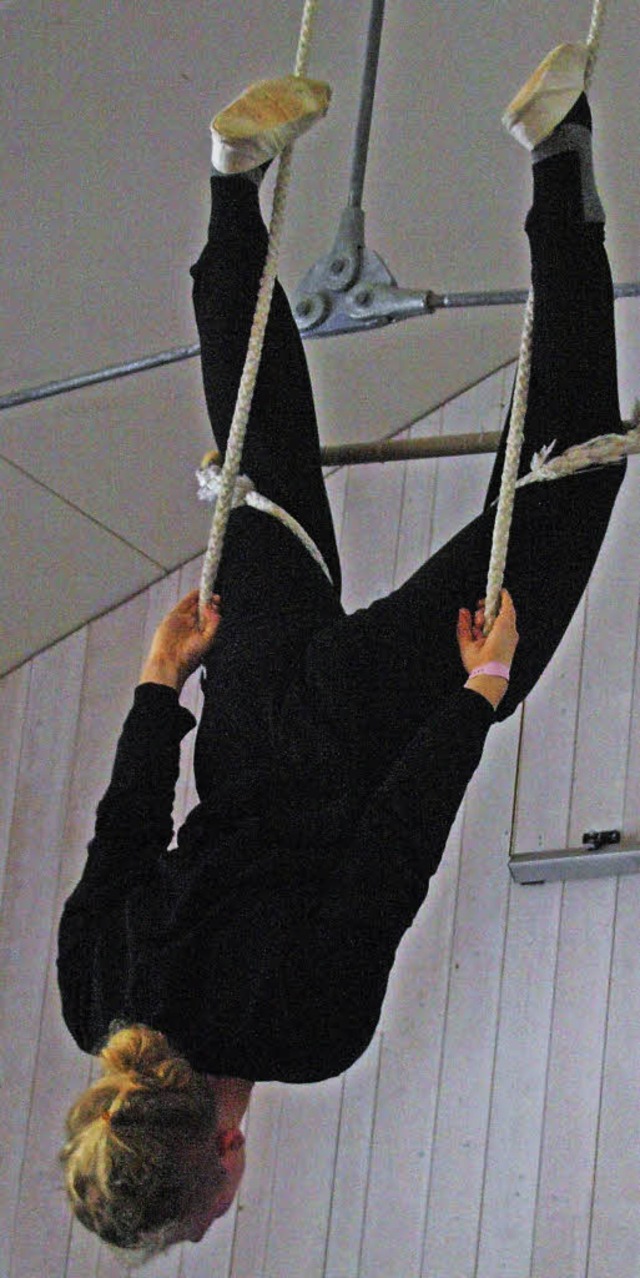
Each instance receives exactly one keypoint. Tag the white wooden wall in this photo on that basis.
(493, 1127)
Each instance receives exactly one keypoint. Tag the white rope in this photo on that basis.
(504, 513)
(235, 443)
(244, 494)
(594, 37)
(602, 450)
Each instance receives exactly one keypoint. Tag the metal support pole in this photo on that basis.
(32, 393)
(365, 112)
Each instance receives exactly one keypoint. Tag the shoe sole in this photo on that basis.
(548, 95)
(265, 119)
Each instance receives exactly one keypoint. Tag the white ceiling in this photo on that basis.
(105, 154)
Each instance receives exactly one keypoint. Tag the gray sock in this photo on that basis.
(575, 137)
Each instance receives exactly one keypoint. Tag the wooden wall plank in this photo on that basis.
(412, 1017)
(336, 485)
(437, 500)
(406, 1101)
(451, 1234)
(526, 1003)
(28, 917)
(587, 924)
(352, 1167)
(254, 1209)
(13, 696)
(615, 1232)
(114, 657)
(369, 533)
(301, 1196)
(192, 697)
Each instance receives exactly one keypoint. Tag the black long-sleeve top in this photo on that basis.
(261, 946)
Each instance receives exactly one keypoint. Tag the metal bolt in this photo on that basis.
(338, 265)
(304, 308)
(364, 297)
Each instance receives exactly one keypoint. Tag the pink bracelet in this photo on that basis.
(492, 668)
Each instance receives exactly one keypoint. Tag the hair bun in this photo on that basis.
(135, 1049)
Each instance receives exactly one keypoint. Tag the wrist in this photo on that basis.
(499, 668)
(160, 670)
(491, 687)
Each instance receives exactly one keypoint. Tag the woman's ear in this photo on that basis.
(229, 1140)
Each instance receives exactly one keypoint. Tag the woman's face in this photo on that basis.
(216, 1198)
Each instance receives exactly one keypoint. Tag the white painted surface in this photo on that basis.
(491, 1129)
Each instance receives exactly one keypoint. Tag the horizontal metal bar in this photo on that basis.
(573, 863)
(447, 301)
(31, 394)
(388, 450)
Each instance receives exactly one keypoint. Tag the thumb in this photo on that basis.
(210, 617)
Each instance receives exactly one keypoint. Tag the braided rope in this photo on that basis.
(233, 457)
(515, 437)
(593, 39)
(602, 450)
(506, 499)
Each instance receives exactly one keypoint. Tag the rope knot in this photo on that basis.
(210, 485)
(540, 459)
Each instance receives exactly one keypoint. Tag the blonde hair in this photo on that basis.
(126, 1172)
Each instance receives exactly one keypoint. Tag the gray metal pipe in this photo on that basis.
(365, 111)
(445, 301)
(32, 393)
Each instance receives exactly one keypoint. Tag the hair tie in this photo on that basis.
(106, 1116)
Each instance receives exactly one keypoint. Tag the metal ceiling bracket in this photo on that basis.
(351, 288)
(599, 857)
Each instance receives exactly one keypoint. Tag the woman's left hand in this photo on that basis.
(181, 642)
(501, 642)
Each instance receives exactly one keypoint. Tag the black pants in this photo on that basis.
(393, 661)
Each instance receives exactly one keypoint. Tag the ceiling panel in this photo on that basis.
(58, 569)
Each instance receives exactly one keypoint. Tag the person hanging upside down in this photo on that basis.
(333, 751)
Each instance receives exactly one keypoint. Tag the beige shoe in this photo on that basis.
(548, 95)
(265, 119)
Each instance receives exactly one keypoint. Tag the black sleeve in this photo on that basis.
(133, 826)
(134, 819)
(341, 967)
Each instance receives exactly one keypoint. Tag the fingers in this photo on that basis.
(464, 624)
